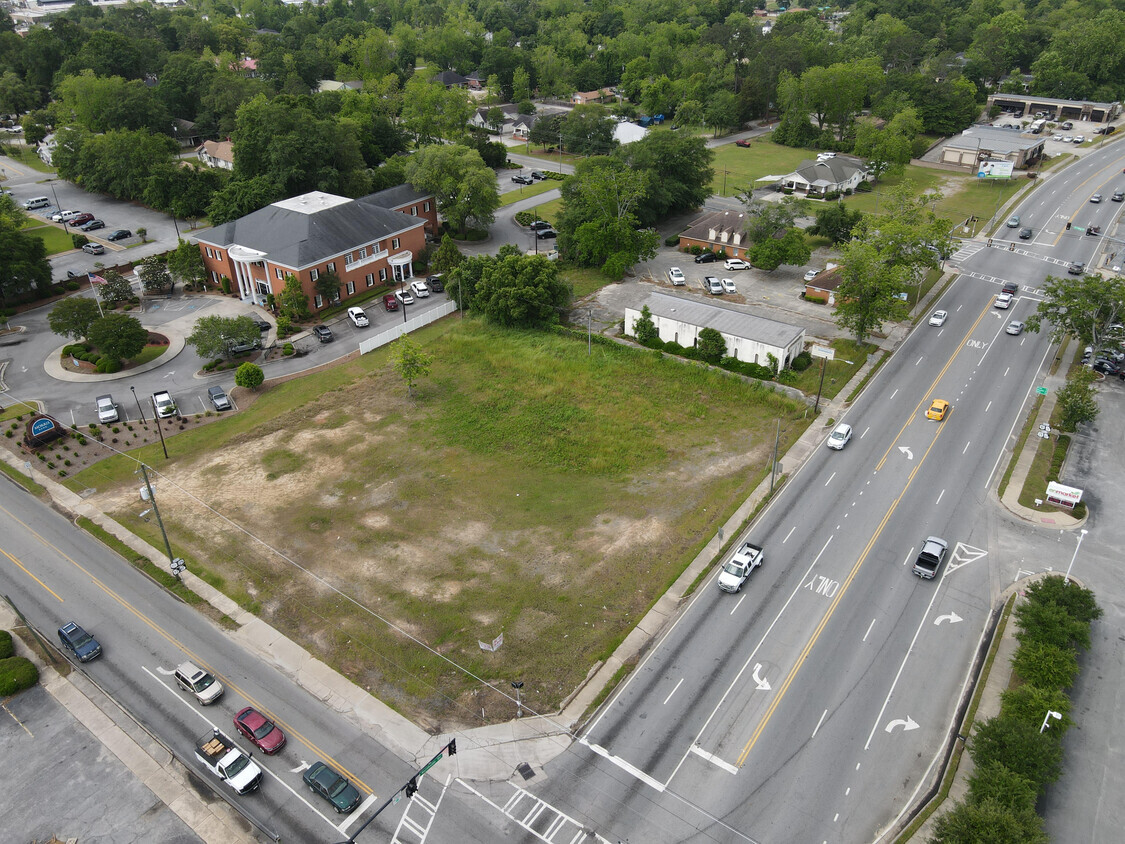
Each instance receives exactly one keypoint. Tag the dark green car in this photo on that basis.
(324, 781)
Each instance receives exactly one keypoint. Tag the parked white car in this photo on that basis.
(420, 289)
(811, 274)
(735, 264)
(728, 285)
(676, 276)
(713, 285)
(358, 317)
(107, 410)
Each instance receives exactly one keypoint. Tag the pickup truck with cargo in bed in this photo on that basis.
(228, 762)
(735, 571)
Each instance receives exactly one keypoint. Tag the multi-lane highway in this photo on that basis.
(813, 706)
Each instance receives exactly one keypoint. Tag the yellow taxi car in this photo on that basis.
(937, 410)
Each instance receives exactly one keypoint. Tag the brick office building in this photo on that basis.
(367, 241)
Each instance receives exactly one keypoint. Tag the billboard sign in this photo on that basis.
(992, 169)
(1064, 496)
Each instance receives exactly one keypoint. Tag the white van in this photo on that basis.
(202, 684)
(37, 202)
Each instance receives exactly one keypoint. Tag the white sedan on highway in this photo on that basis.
(939, 317)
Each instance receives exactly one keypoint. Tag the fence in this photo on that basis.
(391, 334)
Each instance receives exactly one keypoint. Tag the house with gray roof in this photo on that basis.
(987, 143)
(749, 337)
(838, 174)
(364, 242)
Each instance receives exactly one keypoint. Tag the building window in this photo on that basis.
(314, 274)
(331, 266)
(219, 254)
(362, 252)
(425, 206)
(370, 278)
(210, 254)
(394, 243)
(383, 274)
(318, 301)
(414, 211)
(351, 287)
(278, 273)
(336, 296)
(348, 260)
(214, 277)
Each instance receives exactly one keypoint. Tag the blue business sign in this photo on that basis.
(41, 426)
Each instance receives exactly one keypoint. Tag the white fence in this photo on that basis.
(392, 334)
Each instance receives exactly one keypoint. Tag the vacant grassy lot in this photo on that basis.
(531, 490)
(54, 238)
(525, 191)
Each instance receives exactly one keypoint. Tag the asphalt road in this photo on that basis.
(813, 706)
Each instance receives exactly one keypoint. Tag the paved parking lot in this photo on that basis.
(62, 781)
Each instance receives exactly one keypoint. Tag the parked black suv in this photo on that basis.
(79, 642)
(706, 258)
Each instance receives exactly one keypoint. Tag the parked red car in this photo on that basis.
(81, 219)
(742, 142)
(390, 302)
(258, 729)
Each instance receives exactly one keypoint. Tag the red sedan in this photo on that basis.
(390, 302)
(260, 730)
(742, 142)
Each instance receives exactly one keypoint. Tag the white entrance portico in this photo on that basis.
(252, 287)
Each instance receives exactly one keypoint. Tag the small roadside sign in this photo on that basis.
(826, 352)
(1041, 391)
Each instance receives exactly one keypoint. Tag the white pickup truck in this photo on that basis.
(228, 762)
(735, 571)
(163, 405)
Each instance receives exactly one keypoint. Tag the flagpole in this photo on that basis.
(97, 298)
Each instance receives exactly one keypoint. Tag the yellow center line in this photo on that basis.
(171, 640)
(832, 608)
(23, 568)
(933, 384)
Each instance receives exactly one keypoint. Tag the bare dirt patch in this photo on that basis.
(531, 490)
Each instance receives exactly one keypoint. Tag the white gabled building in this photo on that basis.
(749, 337)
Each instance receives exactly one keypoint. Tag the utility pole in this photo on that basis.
(176, 564)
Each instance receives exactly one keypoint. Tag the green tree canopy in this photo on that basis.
(463, 185)
(1084, 308)
(521, 291)
(73, 316)
(118, 336)
(1078, 400)
(23, 257)
(867, 294)
(249, 375)
(410, 362)
(213, 336)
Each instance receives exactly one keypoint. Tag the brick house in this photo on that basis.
(718, 231)
(366, 242)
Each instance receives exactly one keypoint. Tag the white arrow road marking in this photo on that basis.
(167, 672)
(952, 618)
(169, 374)
(763, 684)
(907, 724)
(300, 767)
(713, 759)
(909, 454)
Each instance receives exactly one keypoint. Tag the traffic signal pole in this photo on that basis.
(410, 787)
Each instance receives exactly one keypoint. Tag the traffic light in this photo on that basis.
(1068, 225)
(453, 747)
(411, 786)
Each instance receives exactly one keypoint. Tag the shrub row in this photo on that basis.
(16, 674)
(7, 647)
(1015, 757)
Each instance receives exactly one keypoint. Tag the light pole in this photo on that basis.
(1074, 556)
(517, 685)
(140, 409)
(1050, 714)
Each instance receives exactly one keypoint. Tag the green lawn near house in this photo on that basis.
(54, 237)
(525, 191)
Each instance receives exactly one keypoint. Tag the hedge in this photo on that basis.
(17, 674)
(7, 648)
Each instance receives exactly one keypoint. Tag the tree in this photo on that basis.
(447, 257)
(722, 111)
(73, 316)
(888, 149)
(154, 275)
(711, 345)
(547, 131)
(765, 220)
(463, 185)
(1046, 665)
(249, 375)
(240, 197)
(1028, 703)
(410, 362)
(836, 221)
(791, 248)
(521, 291)
(1078, 400)
(1019, 747)
(866, 296)
(679, 173)
(994, 782)
(644, 329)
(185, 262)
(116, 289)
(1084, 308)
(328, 286)
(213, 336)
(588, 130)
(23, 257)
(118, 336)
(292, 301)
(1078, 601)
(430, 112)
(988, 821)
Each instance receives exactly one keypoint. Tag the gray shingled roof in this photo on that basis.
(298, 239)
(833, 171)
(395, 197)
(724, 320)
(998, 141)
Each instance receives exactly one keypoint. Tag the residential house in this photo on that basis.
(451, 79)
(217, 154)
(185, 133)
(838, 174)
(718, 231)
(749, 337)
(602, 95)
(476, 81)
(366, 242)
(823, 287)
(509, 113)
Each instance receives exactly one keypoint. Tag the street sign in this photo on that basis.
(1041, 391)
(826, 352)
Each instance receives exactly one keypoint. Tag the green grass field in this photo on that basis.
(54, 238)
(525, 191)
(530, 489)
